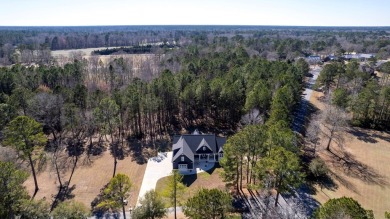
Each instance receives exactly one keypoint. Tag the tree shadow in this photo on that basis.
(211, 171)
(189, 179)
(64, 193)
(344, 182)
(356, 169)
(75, 147)
(324, 182)
(117, 150)
(302, 199)
(162, 145)
(302, 116)
(136, 147)
(362, 136)
(384, 138)
(95, 149)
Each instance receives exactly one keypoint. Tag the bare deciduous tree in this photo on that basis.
(334, 123)
(313, 132)
(252, 117)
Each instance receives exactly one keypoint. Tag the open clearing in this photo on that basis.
(366, 176)
(90, 179)
(86, 51)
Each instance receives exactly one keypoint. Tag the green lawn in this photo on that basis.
(193, 183)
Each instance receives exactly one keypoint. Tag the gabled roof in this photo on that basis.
(183, 149)
(203, 143)
(189, 144)
(220, 142)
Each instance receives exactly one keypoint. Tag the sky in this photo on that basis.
(195, 12)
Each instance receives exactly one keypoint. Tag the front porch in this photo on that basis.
(199, 166)
(206, 158)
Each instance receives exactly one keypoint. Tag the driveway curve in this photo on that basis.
(157, 168)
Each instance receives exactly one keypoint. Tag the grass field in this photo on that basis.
(89, 179)
(364, 174)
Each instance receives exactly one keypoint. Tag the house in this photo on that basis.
(330, 58)
(313, 59)
(192, 149)
(358, 56)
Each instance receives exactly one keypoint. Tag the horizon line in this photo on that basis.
(227, 25)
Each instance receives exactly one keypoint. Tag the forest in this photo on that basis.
(18, 44)
(245, 83)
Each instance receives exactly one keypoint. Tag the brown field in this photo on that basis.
(89, 179)
(67, 52)
(144, 66)
(363, 173)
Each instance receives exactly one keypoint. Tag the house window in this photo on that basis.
(220, 155)
(182, 166)
(182, 158)
(204, 148)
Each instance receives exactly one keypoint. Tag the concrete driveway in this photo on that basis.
(157, 168)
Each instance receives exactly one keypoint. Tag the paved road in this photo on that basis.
(157, 168)
(300, 115)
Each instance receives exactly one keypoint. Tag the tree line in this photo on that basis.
(130, 50)
(285, 43)
(365, 95)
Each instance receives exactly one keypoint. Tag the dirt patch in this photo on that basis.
(89, 179)
(317, 99)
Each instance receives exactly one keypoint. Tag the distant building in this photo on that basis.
(330, 58)
(358, 56)
(313, 59)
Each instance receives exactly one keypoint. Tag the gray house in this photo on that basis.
(189, 150)
(358, 56)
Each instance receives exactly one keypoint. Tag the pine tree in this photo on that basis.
(25, 134)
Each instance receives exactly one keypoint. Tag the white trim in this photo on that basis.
(182, 166)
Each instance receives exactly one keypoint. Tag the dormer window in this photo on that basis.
(182, 158)
(204, 148)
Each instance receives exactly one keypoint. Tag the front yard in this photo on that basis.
(210, 180)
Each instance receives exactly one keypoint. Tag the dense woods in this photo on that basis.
(200, 94)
